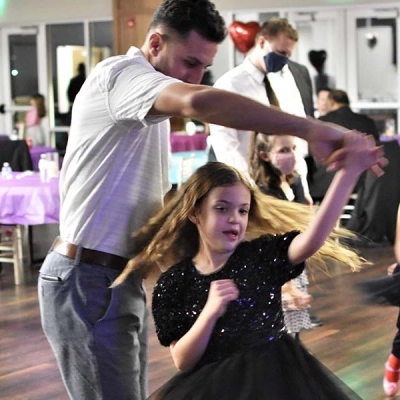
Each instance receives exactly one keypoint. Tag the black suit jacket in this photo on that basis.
(375, 212)
(318, 177)
(344, 116)
(303, 82)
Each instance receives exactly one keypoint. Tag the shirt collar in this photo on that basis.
(132, 51)
(253, 70)
(283, 72)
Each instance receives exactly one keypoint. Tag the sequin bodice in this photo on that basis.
(259, 268)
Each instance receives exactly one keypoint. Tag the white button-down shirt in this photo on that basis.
(232, 146)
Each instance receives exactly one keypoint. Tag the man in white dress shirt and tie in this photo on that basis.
(290, 82)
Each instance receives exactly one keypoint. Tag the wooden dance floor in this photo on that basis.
(353, 342)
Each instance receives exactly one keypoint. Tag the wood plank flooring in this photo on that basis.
(354, 341)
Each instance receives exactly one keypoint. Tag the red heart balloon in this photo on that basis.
(243, 34)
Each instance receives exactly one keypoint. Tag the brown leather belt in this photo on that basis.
(90, 256)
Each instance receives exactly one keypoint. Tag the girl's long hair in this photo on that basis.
(40, 104)
(169, 237)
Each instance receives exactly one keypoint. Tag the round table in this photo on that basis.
(25, 200)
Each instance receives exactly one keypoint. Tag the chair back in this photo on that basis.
(16, 153)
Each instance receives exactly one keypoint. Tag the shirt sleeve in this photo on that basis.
(168, 294)
(231, 146)
(32, 117)
(132, 89)
(272, 251)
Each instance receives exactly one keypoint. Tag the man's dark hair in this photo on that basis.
(339, 96)
(324, 89)
(184, 16)
(81, 69)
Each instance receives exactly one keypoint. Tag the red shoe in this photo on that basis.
(391, 380)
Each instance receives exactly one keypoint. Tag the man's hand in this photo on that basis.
(327, 144)
(324, 139)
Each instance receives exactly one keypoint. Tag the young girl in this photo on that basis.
(33, 119)
(219, 307)
(272, 167)
(272, 164)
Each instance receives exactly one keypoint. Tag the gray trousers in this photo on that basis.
(98, 334)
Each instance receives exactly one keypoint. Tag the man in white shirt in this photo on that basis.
(114, 178)
(274, 43)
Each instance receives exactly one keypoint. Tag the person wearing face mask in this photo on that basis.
(272, 165)
(291, 83)
(291, 91)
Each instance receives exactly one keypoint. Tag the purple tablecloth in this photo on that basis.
(181, 142)
(37, 151)
(28, 201)
(385, 138)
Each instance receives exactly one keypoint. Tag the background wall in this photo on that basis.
(18, 12)
(263, 4)
(14, 12)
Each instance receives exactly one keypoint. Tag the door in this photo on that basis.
(24, 74)
(374, 72)
(321, 45)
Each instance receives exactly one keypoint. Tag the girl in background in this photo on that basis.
(272, 163)
(218, 307)
(33, 120)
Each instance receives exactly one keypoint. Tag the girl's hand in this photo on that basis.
(293, 298)
(362, 154)
(221, 293)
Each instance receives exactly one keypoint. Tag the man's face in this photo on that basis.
(323, 103)
(185, 59)
(281, 45)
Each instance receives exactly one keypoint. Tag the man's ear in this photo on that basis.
(155, 43)
(263, 43)
(260, 41)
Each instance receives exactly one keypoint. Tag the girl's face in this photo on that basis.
(222, 217)
(281, 154)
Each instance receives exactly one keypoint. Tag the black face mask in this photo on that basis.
(274, 62)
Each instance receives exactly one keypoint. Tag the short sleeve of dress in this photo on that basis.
(168, 313)
(272, 253)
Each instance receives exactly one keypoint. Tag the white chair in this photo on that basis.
(185, 169)
(13, 239)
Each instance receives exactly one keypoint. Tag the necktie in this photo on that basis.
(273, 100)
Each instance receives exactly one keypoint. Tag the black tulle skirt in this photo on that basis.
(276, 370)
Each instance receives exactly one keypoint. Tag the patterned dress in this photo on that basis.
(250, 355)
(296, 320)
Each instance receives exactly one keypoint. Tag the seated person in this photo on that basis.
(340, 113)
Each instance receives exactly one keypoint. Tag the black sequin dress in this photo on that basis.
(250, 355)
